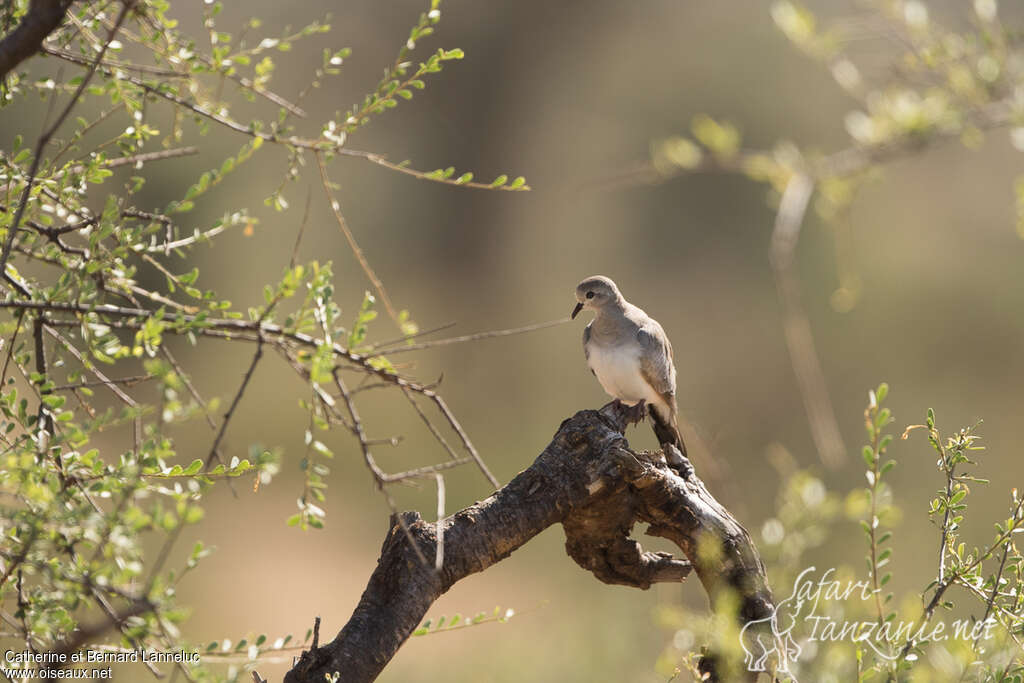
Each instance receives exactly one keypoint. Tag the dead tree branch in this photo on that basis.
(588, 480)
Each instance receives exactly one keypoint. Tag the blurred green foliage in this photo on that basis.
(966, 624)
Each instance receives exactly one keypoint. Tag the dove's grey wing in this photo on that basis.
(657, 369)
(656, 365)
(586, 346)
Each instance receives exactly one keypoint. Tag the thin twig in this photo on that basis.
(340, 219)
(439, 556)
(357, 428)
(468, 338)
(10, 348)
(406, 337)
(302, 229)
(234, 403)
(381, 160)
(126, 381)
(430, 425)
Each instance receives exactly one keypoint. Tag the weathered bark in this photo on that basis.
(597, 488)
(42, 18)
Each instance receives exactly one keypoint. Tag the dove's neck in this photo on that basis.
(612, 319)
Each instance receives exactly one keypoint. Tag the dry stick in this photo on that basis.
(10, 349)
(188, 384)
(797, 327)
(44, 139)
(301, 232)
(340, 219)
(468, 338)
(427, 470)
(439, 525)
(372, 464)
(407, 337)
(430, 425)
(199, 399)
(357, 428)
(443, 407)
(234, 403)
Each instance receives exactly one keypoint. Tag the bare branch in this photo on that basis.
(234, 403)
(350, 238)
(468, 337)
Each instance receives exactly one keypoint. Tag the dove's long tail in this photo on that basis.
(665, 427)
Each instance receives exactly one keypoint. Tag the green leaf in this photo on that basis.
(53, 401)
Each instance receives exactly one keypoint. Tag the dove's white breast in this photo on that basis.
(618, 370)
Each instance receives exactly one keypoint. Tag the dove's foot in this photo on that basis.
(636, 413)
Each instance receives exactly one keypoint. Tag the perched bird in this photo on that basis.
(629, 353)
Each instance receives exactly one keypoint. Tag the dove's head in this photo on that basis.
(595, 293)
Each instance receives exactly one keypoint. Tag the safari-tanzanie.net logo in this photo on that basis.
(774, 642)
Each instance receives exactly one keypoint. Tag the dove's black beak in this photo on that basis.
(576, 311)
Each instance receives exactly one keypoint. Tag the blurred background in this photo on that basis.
(570, 94)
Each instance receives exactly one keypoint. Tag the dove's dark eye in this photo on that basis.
(590, 295)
